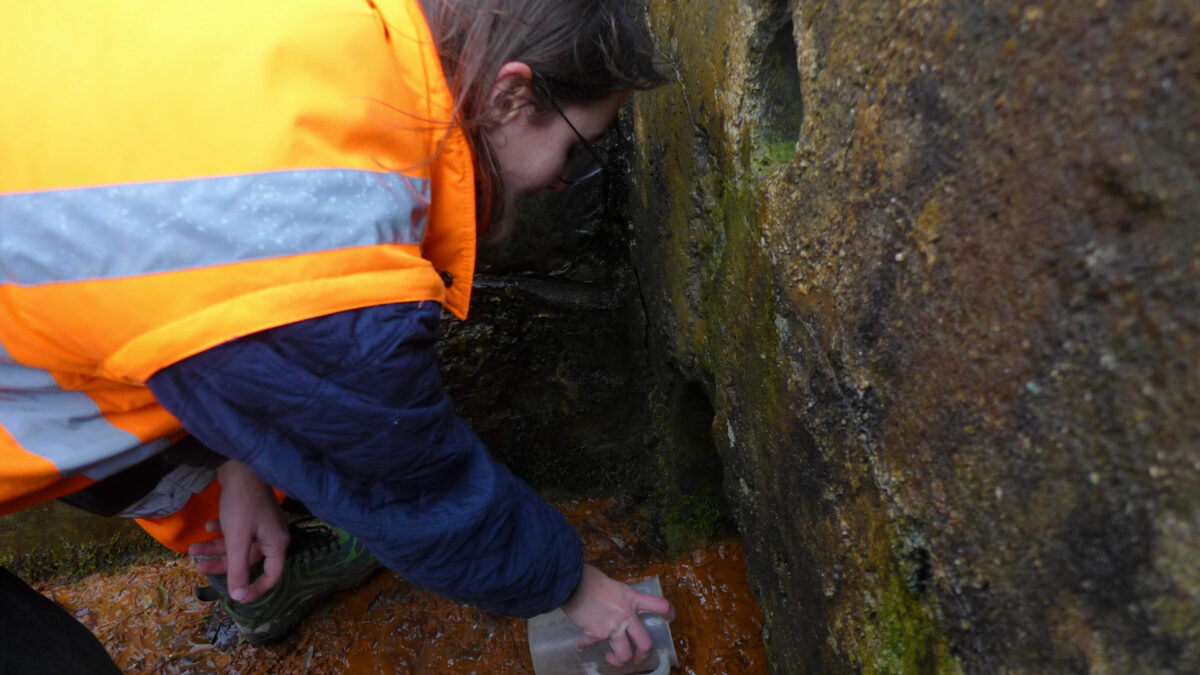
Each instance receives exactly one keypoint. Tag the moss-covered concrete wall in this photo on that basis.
(549, 369)
(934, 265)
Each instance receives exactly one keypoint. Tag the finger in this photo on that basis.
(209, 556)
(274, 557)
(215, 565)
(621, 651)
(641, 640)
(652, 604)
(255, 553)
(587, 641)
(260, 586)
(213, 526)
(237, 550)
(207, 549)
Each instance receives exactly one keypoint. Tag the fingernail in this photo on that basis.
(237, 594)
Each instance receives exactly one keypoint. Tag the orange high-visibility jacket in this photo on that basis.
(174, 175)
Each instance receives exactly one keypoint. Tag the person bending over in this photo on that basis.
(227, 234)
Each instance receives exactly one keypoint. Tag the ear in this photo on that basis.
(511, 93)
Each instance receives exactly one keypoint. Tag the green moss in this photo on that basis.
(733, 333)
(780, 151)
(903, 635)
(747, 314)
(691, 505)
(54, 541)
(1178, 613)
(715, 278)
(74, 561)
(769, 152)
(694, 520)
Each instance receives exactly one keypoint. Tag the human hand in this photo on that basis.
(254, 529)
(608, 610)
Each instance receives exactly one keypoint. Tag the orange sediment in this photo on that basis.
(150, 621)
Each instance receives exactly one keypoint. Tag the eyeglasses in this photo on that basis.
(585, 160)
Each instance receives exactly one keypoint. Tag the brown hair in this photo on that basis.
(580, 52)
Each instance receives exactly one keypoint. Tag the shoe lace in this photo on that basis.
(309, 537)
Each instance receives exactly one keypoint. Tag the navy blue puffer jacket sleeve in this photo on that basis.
(347, 414)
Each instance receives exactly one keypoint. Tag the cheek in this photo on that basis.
(549, 165)
(514, 167)
(540, 168)
(531, 159)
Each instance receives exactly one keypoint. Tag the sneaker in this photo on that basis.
(321, 560)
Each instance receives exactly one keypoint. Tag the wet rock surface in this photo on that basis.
(549, 368)
(934, 266)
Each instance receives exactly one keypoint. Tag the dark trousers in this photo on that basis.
(37, 637)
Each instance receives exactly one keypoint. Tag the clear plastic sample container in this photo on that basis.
(554, 640)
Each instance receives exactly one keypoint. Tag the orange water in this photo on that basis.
(149, 620)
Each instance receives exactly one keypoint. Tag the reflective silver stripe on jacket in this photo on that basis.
(171, 492)
(64, 427)
(124, 230)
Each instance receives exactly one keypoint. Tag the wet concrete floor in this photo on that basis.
(149, 620)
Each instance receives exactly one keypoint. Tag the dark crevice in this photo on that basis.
(776, 96)
(692, 474)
